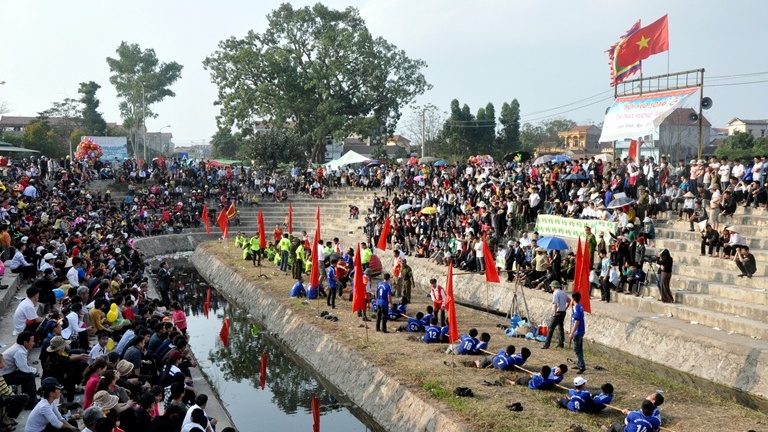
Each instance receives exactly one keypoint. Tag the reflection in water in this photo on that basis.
(235, 371)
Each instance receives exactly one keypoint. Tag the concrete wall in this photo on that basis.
(391, 404)
(667, 341)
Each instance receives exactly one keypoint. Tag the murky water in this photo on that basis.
(284, 403)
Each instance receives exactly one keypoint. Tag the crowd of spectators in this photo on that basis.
(86, 306)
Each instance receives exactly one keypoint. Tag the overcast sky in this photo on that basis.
(544, 53)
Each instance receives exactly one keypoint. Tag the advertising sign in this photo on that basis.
(640, 115)
(113, 147)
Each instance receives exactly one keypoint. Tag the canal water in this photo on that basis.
(234, 371)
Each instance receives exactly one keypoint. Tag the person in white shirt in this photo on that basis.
(201, 401)
(738, 169)
(72, 274)
(25, 318)
(479, 255)
(725, 174)
(47, 262)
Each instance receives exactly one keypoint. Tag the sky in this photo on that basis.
(547, 54)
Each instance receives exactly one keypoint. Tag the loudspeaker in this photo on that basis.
(706, 103)
(693, 117)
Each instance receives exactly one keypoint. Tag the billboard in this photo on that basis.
(113, 147)
(640, 115)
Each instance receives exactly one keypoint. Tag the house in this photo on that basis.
(17, 124)
(757, 128)
(585, 137)
(679, 137)
(160, 141)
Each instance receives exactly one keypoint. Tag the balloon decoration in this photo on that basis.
(112, 314)
(89, 150)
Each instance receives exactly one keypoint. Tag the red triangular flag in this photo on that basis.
(231, 211)
(262, 232)
(224, 333)
(263, 371)
(315, 404)
(358, 293)
(314, 275)
(384, 234)
(450, 305)
(290, 218)
(491, 272)
(577, 270)
(223, 225)
(586, 267)
(206, 221)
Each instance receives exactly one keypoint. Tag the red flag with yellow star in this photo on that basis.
(647, 41)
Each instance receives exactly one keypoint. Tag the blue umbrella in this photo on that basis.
(440, 163)
(552, 243)
(561, 159)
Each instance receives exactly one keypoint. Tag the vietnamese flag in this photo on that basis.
(290, 218)
(358, 293)
(647, 41)
(314, 275)
(206, 221)
(224, 333)
(223, 224)
(491, 272)
(450, 305)
(262, 232)
(263, 370)
(315, 414)
(384, 234)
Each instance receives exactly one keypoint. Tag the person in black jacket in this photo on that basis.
(710, 241)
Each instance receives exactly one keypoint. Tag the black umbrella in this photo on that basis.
(577, 176)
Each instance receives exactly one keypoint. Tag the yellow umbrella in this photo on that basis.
(429, 210)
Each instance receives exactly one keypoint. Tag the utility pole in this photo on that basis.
(423, 143)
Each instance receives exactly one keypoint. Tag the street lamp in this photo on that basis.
(161, 136)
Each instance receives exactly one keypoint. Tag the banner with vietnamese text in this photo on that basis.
(636, 116)
(558, 226)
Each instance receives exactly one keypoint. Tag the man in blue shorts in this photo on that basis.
(383, 300)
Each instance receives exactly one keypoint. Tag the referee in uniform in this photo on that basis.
(560, 302)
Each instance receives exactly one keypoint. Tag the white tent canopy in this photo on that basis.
(349, 157)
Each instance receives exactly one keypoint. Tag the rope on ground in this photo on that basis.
(623, 411)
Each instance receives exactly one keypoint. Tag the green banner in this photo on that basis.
(547, 225)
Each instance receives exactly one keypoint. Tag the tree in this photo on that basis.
(509, 135)
(424, 121)
(93, 122)
(39, 136)
(532, 136)
(225, 145)
(317, 67)
(270, 147)
(13, 139)
(485, 131)
(140, 81)
(742, 145)
(63, 118)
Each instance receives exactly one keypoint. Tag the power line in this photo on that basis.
(737, 83)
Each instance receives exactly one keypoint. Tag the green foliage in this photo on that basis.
(269, 148)
(318, 67)
(225, 145)
(509, 135)
(68, 118)
(12, 138)
(534, 135)
(464, 135)
(93, 122)
(140, 81)
(39, 136)
(742, 146)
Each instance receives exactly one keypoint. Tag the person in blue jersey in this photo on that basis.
(467, 343)
(579, 399)
(521, 357)
(641, 420)
(428, 316)
(557, 375)
(599, 401)
(432, 332)
(503, 360)
(414, 324)
(536, 380)
(578, 329)
(333, 284)
(383, 300)
(399, 310)
(444, 336)
(298, 288)
(658, 399)
(483, 344)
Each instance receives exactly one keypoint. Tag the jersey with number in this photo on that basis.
(383, 292)
(467, 345)
(427, 320)
(637, 422)
(415, 325)
(502, 361)
(432, 334)
(578, 400)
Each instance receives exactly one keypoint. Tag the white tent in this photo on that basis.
(349, 157)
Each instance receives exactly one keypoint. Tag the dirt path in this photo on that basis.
(423, 368)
